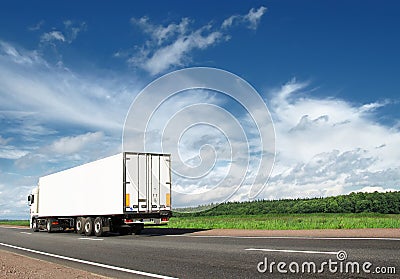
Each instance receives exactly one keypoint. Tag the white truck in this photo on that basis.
(115, 194)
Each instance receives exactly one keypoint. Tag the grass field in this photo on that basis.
(279, 221)
(15, 222)
(289, 221)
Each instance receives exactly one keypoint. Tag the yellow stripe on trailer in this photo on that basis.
(127, 200)
(168, 199)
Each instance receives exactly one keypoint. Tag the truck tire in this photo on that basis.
(49, 226)
(35, 227)
(80, 223)
(98, 227)
(89, 226)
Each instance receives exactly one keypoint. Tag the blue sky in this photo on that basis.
(327, 70)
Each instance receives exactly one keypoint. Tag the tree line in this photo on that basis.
(385, 203)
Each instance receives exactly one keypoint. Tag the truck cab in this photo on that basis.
(33, 202)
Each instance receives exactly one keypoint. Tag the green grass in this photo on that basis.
(15, 222)
(289, 221)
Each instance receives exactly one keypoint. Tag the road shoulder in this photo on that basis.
(14, 265)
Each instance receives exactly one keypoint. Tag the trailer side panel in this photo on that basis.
(90, 189)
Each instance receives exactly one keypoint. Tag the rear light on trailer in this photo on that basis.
(164, 219)
(127, 221)
(54, 223)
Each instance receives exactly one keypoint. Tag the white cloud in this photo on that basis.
(47, 93)
(68, 34)
(373, 106)
(175, 53)
(327, 146)
(251, 19)
(170, 45)
(254, 17)
(11, 152)
(20, 56)
(161, 33)
(68, 151)
(69, 145)
(52, 36)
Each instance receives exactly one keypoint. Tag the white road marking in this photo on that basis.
(25, 232)
(291, 251)
(292, 237)
(90, 263)
(87, 238)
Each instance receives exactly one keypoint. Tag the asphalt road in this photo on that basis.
(157, 253)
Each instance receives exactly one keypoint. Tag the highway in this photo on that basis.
(159, 253)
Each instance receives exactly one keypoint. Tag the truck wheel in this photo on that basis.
(49, 226)
(89, 226)
(98, 226)
(80, 221)
(35, 225)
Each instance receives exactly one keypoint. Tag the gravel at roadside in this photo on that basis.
(18, 266)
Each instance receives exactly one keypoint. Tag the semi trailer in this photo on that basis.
(118, 194)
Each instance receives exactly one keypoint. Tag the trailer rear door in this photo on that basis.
(147, 182)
